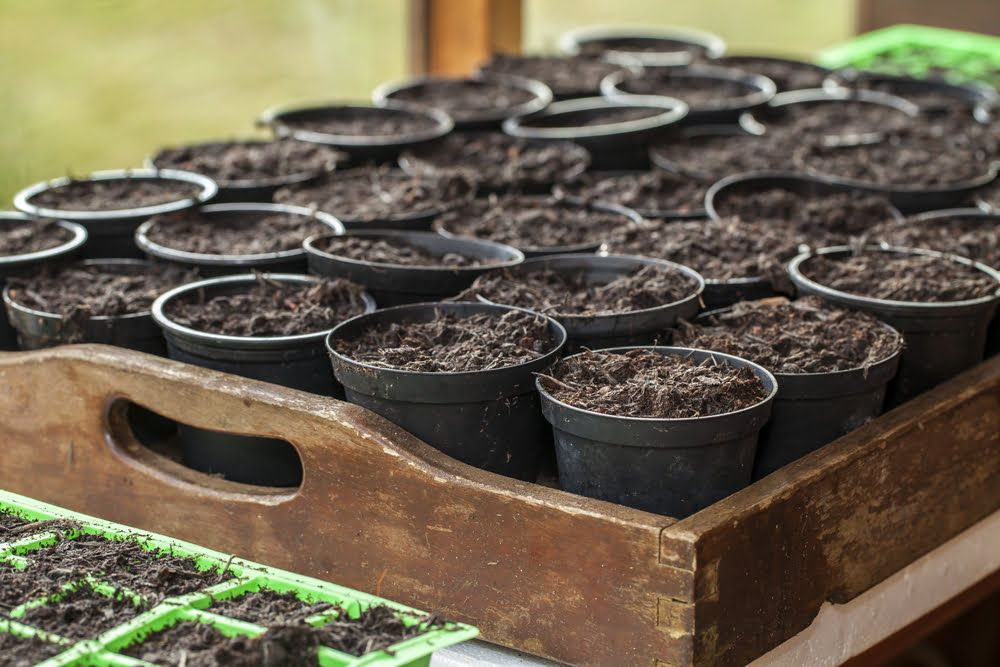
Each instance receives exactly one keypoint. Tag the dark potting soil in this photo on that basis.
(564, 76)
(786, 75)
(373, 194)
(531, 222)
(571, 293)
(789, 125)
(23, 237)
(452, 343)
(925, 99)
(899, 277)
(267, 607)
(82, 613)
(721, 250)
(605, 115)
(696, 91)
(466, 99)
(239, 161)
(499, 162)
(650, 192)
(26, 651)
(598, 47)
(804, 336)
(362, 122)
(241, 233)
(642, 383)
(975, 238)
(114, 194)
(397, 251)
(9, 524)
(716, 156)
(270, 308)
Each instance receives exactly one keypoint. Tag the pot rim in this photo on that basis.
(855, 300)
(714, 46)
(76, 241)
(764, 88)
(170, 327)
(160, 251)
(275, 117)
(670, 350)
(209, 188)
(673, 110)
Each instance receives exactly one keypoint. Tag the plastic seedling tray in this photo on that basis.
(236, 577)
(921, 51)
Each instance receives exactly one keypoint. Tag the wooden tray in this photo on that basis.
(561, 576)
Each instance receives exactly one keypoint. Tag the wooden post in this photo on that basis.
(452, 37)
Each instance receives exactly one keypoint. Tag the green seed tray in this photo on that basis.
(246, 577)
(921, 51)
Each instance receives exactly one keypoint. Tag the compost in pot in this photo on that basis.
(652, 194)
(114, 194)
(566, 76)
(711, 156)
(472, 101)
(397, 251)
(21, 237)
(971, 234)
(786, 73)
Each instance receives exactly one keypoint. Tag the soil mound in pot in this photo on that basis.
(696, 91)
(397, 251)
(642, 383)
(114, 194)
(647, 192)
(453, 344)
(791, 337)
(716, 156)
(239, 161)
(900, 277)
(498, 162)
(565, 76)
(570, 293)
(271, 308)
(465, 99)
(786, 74)
(609, 115)
(247, 233)
(267, 607)
(790, 123)
(28, 236)
(975, 238)
(362, 122)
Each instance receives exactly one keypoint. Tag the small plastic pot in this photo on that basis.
(635, 327)
(941, 339)
(725, 293)
(760, 90)
(11, 265)
(285, 261)
(670, 47)
(110, 233)
(136, 331)
(291, 361)
(673, 467)
(360, 148)
(487, 419)
(614, 145)
(248, 190)
(395, 284)
(816, 74)
(485, 119)
(967, 95)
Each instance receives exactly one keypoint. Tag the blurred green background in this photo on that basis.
(100, 84)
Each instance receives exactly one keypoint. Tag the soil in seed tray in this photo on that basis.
(564, 76)
(241, 233)
(373, 194)
(610, 115)
(975, 238)
(200, 645)
(453, 343)
(270, 308)
(786, 75)
(695, 91)
(899, 277)
(651, 193)
(466, 99)
(804, 336)
(362, 122)
(26, 651)
(267, 607)
(9, 523)
(396, 251)
(82, 613)
(712, 157)
(115, 194)
(641, 383)
(531, 222)
(239, 161)
(499, 162)
(572, 293)
(23, 237)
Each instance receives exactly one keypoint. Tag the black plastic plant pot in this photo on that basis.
(14, 264)
(296, 122)
(635, 327)
(487, 419)
(284, 261)
(590, 122)
(136, 331)
(245, 190)
(298, 362)
(725, 293)
(757, 90)
(398, 284)
(941, 339)
(931, 95)
(673, 467)
(411, 90)
(670, 47)
(787, 73)
(110, 232)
